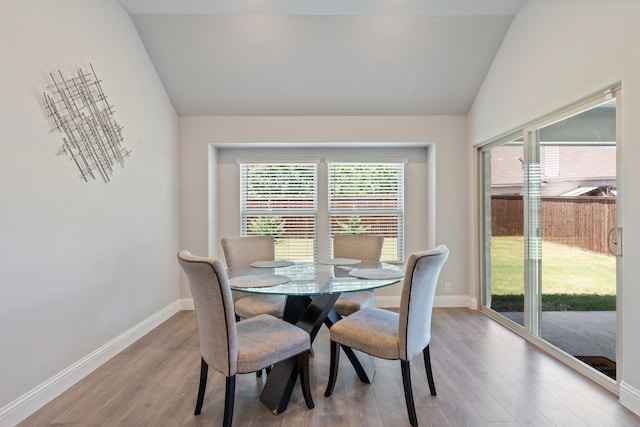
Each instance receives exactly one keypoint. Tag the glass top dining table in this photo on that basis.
(312, 278)
(312, 288)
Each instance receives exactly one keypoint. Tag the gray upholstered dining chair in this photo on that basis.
(232, 347)
(365, 247)
(396, 336)
(243, 251)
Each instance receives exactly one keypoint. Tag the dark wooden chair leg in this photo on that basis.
(408, 392)
(204, 369)
(427, 367)
(259, 373)
(229, 399)
(333, 368)
(303, 367)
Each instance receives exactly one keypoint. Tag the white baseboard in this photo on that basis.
(440, 301)
(630, 397)
(39, 396)
(186, 304)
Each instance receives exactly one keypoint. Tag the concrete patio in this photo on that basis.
(579, 333)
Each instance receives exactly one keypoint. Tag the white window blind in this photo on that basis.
(368, 198)
(281, 200)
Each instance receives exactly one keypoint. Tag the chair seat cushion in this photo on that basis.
(252, 305)
(350, 302)
(264, 340)
(371, 330)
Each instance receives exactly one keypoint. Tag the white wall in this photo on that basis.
(450, 198)
(81, 263)
(555, 53)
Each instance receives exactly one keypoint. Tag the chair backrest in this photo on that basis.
(248, 249)
(214, 311)
(365, 247)
(416, 302)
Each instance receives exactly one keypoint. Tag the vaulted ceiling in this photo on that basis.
(329, 57)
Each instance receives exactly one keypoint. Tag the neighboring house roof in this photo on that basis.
(506, 166)
(557, 163)
(579, 191)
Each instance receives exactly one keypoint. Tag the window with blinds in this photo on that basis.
(281, 200)
(368, 198)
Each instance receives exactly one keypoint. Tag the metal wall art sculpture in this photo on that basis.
(91, 137)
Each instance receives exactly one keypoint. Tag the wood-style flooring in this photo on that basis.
(485, 376)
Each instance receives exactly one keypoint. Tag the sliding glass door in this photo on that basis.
(549, 219)
(502, 196)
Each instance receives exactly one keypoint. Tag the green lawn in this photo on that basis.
(572, 278)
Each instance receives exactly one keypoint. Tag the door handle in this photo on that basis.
(617, 251)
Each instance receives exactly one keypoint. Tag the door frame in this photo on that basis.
(532, 315)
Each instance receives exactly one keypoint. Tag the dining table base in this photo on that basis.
(309, 314)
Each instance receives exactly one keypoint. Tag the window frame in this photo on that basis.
(398, 212)
(322, 208)
(288, 210)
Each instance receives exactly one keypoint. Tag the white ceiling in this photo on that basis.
(329, 57)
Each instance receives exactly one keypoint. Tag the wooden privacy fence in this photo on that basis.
(343, 220)
(581, 221)
(302, 227)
